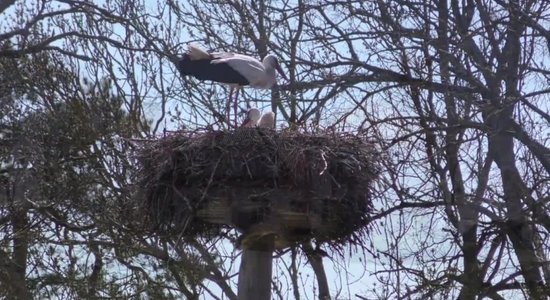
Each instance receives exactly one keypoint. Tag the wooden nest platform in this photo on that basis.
(289, 186)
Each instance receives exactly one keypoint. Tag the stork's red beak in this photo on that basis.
(280, 71)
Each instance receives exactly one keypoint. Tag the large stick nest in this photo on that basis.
(288, 185)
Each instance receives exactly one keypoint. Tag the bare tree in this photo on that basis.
(461, 110)
(454, 91)
(71, 101)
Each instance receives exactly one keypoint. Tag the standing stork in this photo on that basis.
(237, 70)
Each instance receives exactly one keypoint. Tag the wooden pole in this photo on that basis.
(255, 270)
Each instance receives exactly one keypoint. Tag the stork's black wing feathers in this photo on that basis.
(203, 69)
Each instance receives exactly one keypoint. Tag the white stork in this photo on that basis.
(235, 69)
(252, 118)
(267, 120)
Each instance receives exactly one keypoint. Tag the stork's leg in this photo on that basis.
(228, 108)
(236, 105)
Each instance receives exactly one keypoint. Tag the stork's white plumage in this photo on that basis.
(245, 70)
(267, 120)
(231, 68)
(252, 118)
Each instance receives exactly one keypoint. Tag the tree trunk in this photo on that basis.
(255, 272)
(316, 261)
(20, 225)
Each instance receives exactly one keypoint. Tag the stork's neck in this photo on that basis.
(269, 69)
(270, 75)
(268, 66)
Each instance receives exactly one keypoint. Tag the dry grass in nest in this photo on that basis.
(290, 185)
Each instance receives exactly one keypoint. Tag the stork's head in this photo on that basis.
(252, 117)
(270, 61)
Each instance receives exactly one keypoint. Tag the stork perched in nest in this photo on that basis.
(253, 115)
(255, 118)
(237, 70)
(267, 120)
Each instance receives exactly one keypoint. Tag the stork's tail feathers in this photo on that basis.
(196, 53)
